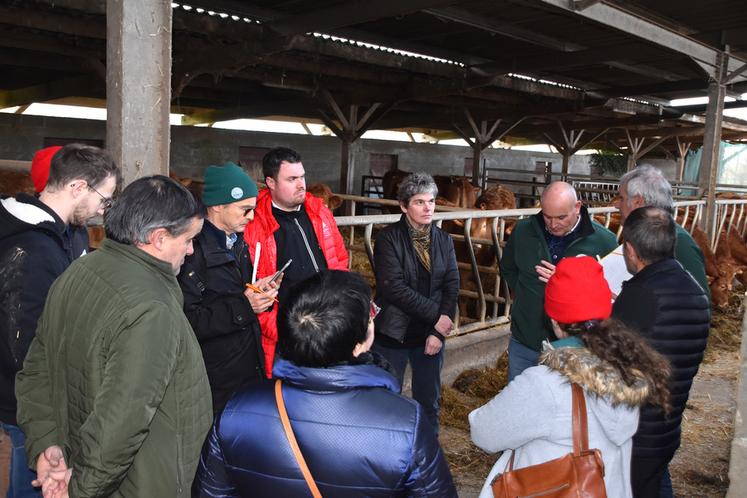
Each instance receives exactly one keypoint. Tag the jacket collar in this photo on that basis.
(24, 213)
(335, 378)
(585, 226)
(133, 253)
(597, 376)
(649, 271)
(263, 211)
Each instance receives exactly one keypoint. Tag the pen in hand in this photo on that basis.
(259, 291)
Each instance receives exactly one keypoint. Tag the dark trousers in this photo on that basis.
(646, 476)
(426, 376)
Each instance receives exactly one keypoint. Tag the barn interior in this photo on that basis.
(570, 74)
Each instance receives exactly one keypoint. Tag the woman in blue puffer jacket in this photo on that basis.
(356, 434)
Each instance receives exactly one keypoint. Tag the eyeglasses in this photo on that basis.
(106, 202)
(374, 310)
(247, 211)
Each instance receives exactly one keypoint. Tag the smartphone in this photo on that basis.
(280, 271)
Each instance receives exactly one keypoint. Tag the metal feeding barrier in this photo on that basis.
(486, 287)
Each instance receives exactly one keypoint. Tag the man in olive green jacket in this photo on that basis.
(563, 228)
(645, 186)
(115, 378)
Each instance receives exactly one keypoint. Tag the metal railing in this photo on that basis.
(485, 285)
(730, 215)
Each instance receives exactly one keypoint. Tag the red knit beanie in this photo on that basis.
(40, 166)
(578, 291)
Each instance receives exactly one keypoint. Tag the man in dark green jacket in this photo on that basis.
(563, 228)
(645, 186)
(114, 379)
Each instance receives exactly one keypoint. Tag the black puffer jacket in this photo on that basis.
(34, 251)
(213, 281)
(670, 309)
(397, 280)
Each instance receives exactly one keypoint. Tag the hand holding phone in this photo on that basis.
(281, 270)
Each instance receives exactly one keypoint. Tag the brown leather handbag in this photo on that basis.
(576, 475)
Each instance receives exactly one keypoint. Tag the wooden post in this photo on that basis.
(738, 461)
(476, 159)
(138, 86)
(682, 149)
(709, 161)
(349, 128)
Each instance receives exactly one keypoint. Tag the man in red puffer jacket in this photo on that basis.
(290, 224)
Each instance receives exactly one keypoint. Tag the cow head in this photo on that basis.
(496, 197)
(324, 193)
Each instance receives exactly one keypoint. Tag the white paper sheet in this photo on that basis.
(614, 270)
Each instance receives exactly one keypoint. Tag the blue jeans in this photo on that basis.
(520, 358)
(19, 483)
(426, 376)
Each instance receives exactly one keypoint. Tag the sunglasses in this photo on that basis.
(374, 310)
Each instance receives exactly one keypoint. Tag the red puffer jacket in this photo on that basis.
(262, 229)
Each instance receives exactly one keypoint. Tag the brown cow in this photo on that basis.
(495, 198)
(194, 186)
(720, 268)
(323, 192)
(13, 182)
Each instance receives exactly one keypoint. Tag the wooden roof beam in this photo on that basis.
(463, 16)
(349, 14)
(80, 86)
(615, 16)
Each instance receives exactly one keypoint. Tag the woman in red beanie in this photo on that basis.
(616, 368)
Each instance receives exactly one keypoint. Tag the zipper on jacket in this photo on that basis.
(306, 243)
(179, 487)
(545, 492)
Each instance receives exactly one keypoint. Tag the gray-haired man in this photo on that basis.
(114, 378)
(646, 186)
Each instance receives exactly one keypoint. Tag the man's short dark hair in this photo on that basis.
(323, 319)
(273, 159)
(82, 162)
(652, 233)
(149, 203)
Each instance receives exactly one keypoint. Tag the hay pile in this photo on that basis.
(472, 389)
(726, 329)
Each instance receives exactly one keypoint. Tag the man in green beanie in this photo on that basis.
(217, 301)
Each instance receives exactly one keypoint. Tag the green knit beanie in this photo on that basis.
(226, 184)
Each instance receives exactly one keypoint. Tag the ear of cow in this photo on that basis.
(334, 202)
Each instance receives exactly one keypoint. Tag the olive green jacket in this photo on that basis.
(525, 248)
(116, 378)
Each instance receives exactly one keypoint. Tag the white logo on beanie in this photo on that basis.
(237, 192)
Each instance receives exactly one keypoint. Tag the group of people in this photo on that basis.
(142, 369)
(117, 363)
(637, 357)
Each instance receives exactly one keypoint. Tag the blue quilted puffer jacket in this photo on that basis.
(358, 436)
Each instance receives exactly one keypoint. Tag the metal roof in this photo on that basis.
(553, 65)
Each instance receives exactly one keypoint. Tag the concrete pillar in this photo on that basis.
(738, 463)
(708, 174)
(138, 85)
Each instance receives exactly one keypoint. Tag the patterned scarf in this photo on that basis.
(421, 241)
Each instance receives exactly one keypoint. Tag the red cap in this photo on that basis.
(578, 291)
(40, 166)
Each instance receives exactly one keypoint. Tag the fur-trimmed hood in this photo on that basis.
(596, 376)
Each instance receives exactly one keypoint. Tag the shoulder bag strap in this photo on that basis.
(580, 428)
(292, 440)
